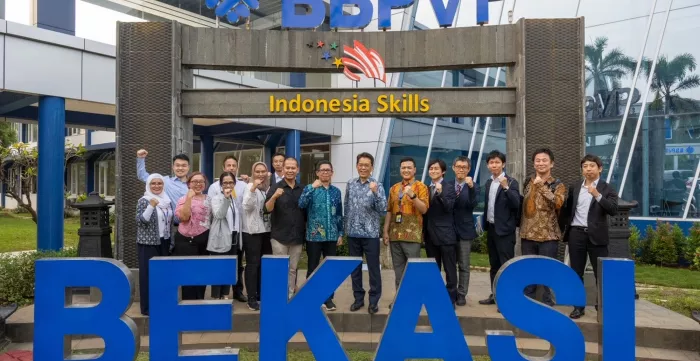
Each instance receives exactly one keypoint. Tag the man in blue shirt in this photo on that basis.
(175, 186)
(324, 224)
(365, 204)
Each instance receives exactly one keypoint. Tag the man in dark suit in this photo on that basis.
(467, 198)
(588, 207)
(440, 238)
(278, 167)
(501, 215)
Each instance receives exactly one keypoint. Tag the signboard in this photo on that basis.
(281, 318)
(683, 149)
(339, 19)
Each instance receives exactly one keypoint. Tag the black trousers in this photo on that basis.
(501, 250)
(547, 249)
(369, 248)
(314, 250)
(145, 253)
(219, 291)
(581, 248)
(192, 246)
(253, 245)
(446, 258)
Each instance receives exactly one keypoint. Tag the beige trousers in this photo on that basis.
(294, 253)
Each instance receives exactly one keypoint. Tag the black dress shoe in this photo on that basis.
(461, 300)
(373, 309)
(240, 297)
(488, 301)
(577, 313)
(356, 306)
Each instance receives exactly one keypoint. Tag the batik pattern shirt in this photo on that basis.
(363, 208)
(411, 227)
(324, 213)
(541, 207)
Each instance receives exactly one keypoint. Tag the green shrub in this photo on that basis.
(479, 243)
(635, 242)
(692, 242)
(647, 253)
(680, 242)
(696, 260)
(663, 246)
(17, 275)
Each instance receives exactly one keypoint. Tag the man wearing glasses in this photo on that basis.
(324, 225)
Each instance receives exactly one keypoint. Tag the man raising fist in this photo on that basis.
(365, 202)
(467, 198)
(288, 219)
(324, 230)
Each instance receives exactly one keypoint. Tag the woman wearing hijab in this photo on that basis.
(256, 229)
(153, 219)
(193, 232)
(224, 236)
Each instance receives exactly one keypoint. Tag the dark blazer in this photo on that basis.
(506, 207)
(464, 211)
(597, 213)
(439, 219)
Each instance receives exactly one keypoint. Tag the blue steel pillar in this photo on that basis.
(23, 129)
(206, 156)
(292, 145)
(90, 175)
(52, 121)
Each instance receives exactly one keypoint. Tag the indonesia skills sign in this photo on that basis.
(394, 104)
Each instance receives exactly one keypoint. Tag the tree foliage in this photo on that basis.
(8, 135)
(19, 169)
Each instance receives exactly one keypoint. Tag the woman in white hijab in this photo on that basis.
(153, 219)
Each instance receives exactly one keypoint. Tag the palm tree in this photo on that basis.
(670, 77)
(605, 70)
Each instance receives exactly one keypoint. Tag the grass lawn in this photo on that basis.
(682, 301)
(307, 356)
(669, 277)
(19, 232)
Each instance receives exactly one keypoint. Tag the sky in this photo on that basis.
(622, 21)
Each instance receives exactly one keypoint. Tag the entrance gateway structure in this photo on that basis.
(156, 101)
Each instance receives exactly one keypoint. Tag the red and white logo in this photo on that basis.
(363, 60)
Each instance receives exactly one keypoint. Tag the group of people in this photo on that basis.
(272, 213)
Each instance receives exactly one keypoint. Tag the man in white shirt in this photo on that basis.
(588, 207)
(231, 165)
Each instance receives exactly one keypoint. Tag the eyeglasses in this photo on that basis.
(197, 182)
(325, 170)
(364, 166)
(228, 183)
(461, 167)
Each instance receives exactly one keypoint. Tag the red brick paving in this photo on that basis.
(16, 356)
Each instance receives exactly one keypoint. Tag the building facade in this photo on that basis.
(658, 168)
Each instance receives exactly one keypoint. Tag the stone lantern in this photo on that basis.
(95, 233)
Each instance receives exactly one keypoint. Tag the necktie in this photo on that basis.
(459, 189)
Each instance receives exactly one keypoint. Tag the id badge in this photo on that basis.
(266, 218)
(398, 218)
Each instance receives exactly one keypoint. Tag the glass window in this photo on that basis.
(664, 158)
(105, 173)
(247, 159)
(77, 178)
